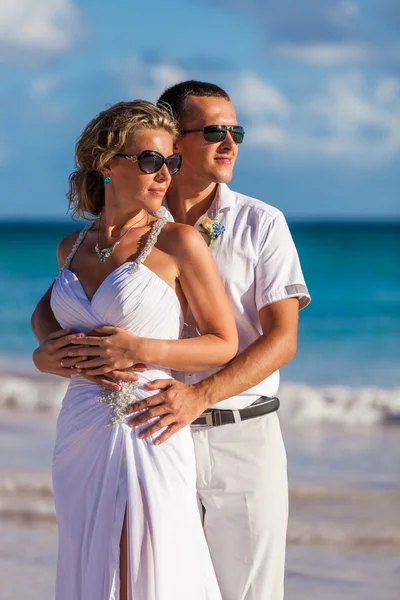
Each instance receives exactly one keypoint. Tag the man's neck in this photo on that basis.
(187, 204)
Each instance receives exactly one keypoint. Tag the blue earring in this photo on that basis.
(107, 179)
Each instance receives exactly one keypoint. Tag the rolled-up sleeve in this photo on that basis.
(278, 273)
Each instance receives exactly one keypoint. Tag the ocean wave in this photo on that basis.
(305, 404)
(300, 403)
(32, 393)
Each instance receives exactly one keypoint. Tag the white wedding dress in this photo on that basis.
(100, 470)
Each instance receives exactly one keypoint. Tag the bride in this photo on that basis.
(128, 521)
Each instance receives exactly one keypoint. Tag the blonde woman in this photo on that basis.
(129, 527)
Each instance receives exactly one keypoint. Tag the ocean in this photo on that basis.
(340, 413)
(349, 335)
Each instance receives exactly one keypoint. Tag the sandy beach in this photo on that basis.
(344, 533)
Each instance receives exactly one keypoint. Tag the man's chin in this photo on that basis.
(223, 176)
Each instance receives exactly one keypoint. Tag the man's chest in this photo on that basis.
(235, 257)
(235, 251)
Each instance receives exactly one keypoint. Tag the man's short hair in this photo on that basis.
(176, 96)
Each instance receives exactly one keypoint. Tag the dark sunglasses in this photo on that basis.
(217, 133)
(150, 161)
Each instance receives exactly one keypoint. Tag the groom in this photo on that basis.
(241, 460)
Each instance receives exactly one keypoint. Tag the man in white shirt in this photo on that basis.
(241, 459)
(242, 478)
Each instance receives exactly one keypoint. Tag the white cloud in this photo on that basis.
(144, 80)
(267, 135)
(344, 11)
(325, 54)
(166, 75)
(362, 121)
(253, 96)
(42, 87)
(347, 119)
(37, 26)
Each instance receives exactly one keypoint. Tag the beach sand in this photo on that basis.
(344, 530)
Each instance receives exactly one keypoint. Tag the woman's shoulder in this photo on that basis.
(183, 236)
(65, 246)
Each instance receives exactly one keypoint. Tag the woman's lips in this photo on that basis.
(158, 192)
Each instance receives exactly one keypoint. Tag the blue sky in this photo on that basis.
(316, 83)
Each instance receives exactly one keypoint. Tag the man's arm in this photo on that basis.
(271, 351)
(180, 404)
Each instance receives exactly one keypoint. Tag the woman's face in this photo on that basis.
(128, 182)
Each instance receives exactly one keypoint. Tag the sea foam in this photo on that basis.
(300, 403)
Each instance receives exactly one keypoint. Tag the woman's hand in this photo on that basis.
(107, 349)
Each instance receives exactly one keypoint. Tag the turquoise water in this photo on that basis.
(348, 335)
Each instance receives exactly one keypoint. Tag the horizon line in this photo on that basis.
(370, 220)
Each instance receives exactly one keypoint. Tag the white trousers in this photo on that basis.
(243, 494)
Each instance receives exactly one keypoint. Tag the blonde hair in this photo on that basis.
(101, 139)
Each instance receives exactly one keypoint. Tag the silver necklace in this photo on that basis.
(104, 253)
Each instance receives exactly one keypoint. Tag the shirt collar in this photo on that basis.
(224, 199)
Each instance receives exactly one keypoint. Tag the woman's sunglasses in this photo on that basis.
(217, 133)
(150, 161)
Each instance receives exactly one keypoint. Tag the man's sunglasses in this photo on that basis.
(150, 161)
(217, 133)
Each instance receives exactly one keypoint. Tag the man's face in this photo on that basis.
(202, 160)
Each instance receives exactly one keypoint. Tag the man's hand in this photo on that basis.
(50, 355)
(106, 349)
(177, 406)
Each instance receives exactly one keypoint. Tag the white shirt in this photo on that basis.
(259, 265)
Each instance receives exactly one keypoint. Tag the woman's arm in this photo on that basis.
(54, 341)
(43, 321)
(201, 284)
(203, 289)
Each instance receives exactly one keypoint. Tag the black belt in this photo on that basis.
(212, 417)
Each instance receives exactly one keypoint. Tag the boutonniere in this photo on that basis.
(212, 229)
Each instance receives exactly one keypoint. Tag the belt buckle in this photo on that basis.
(208, 421)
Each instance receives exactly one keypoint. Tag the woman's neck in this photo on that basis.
(115, 220)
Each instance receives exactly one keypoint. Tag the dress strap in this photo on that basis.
(154, 233)
(75, 247)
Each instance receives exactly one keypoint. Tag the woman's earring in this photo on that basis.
(107, 179)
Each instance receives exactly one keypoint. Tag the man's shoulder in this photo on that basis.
(254, 206)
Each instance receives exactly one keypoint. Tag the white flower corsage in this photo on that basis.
(212, 229)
